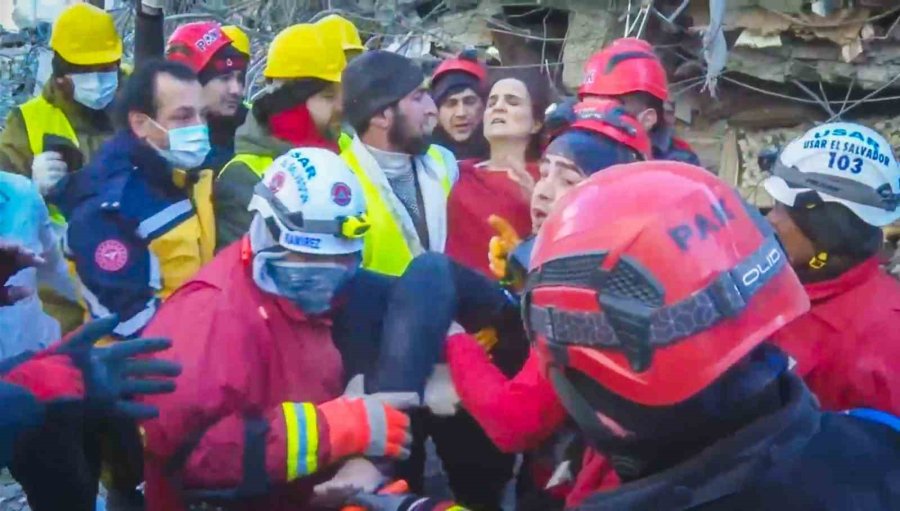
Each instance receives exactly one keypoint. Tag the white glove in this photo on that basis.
(355, 475)
(47, 169)
(440, 394)
(398, 400)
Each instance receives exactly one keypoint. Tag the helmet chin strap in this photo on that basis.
(598, 435)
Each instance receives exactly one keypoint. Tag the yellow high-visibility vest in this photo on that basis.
(385, 249)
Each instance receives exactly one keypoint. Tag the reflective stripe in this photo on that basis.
(302, 431)
(290, 428)
(138, 321)
(156, 222)
(155, 280)
(309, 447)
(377, 429)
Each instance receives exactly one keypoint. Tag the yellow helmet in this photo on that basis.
(239, 38)
(342, 31)
(300, 51)
(85, 35)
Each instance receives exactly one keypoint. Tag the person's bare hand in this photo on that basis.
(13, 259)
(518, 174)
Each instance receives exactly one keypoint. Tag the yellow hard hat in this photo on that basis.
(85, 35)
(342, 30)
(300, 51)
(239, 38)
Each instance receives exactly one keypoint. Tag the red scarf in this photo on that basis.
(296, 126)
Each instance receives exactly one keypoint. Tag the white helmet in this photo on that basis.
(311, 202)
(840, 162)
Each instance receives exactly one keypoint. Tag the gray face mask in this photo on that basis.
(312, 286)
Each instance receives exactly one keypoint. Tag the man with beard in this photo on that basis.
(300, 106)
(406, 180)
(458, 89)
(221, 68)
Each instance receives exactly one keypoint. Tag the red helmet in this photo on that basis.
(465, 63)
(194, 44)
(625, 66)
(609, 118)
(652, 279)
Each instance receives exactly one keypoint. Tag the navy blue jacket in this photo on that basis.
(796, 459)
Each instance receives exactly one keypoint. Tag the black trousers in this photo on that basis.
(59, 465)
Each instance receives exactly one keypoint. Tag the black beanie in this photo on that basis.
(374, 81)
(455, 82)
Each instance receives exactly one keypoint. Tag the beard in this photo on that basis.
(401, 135)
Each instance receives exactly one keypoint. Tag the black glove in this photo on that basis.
(113, 373)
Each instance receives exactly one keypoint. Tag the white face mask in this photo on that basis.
(95, 90)
(188, 146)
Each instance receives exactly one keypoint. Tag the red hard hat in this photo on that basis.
(464, 63)
(194, 44)
(654, 278)
(625, 66)
(609, 118)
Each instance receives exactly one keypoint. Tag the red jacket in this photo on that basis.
(847, 347)
(518, 413)
(243, 353)
(478, 194)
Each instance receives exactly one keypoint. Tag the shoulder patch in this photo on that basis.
(111, 255)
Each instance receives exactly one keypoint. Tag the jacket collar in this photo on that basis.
(433, 196)
(726, 467)
(856, 276)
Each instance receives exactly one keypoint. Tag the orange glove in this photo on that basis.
(487, 338)
(365, 426)
(501, 245)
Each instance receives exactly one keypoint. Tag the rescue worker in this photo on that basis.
(140, 225)
(258, 415)
(834, 188)
(300, 106)
(509, 401)
(341, 31)
(692, 413)
(221, 69)
(405, 178)
(630, 72)
(49, 395)
(59, 130)
(459, 89)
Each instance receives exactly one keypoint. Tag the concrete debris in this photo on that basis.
(588, 31)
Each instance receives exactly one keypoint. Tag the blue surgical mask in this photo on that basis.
(188, 146)
(312, 286)
(95, 90)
